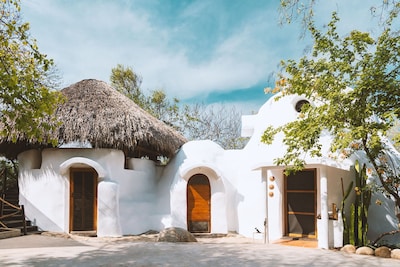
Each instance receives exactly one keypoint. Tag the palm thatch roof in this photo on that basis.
(96, 113)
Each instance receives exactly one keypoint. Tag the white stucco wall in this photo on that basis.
(199, 157)
(42, 192)
(126, 197)
(145, 196)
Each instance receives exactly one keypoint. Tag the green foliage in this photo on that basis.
(394, 134)
(268, 135)
(354, 84)
(346, 230)
(358, 228)
(8, 174)
(291, 10)
(127, 82)
(195, 122)
(355, 223)
(26, 102)
(163, 109)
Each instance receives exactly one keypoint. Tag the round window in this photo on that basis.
(300, 104)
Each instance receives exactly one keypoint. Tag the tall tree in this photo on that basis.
(25, 80)
(163, 109)
(355, 81)
(127, 82)
(197, 121)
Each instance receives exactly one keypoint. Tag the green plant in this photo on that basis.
(359, 209)
(345, 226)
(8, 174)
(355, 231)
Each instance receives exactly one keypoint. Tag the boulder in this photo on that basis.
(383, 252)
(175, 234)
(365, 251)
(395, 254)
(348, 248)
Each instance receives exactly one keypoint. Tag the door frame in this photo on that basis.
(71, 199)
(188, 212)
(286, 212)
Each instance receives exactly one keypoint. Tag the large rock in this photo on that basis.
(395, 254)
(175, 234)
(348, 248)
(383, 252)
(365, 251)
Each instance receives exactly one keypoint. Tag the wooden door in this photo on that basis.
(301, 205)
(198, 204)
(83, 200)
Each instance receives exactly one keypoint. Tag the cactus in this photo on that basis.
(362, 202)
(344, 219)
(356, 232)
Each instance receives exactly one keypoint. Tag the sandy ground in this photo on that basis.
(64, 250)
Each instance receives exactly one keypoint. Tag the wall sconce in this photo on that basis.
(271, 186)
(272, 178)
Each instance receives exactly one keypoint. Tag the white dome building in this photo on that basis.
(203, 188)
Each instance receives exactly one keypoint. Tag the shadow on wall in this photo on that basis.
(382, 219)
(238, 198)
(43, 193)
(36, 215)
(233, 199)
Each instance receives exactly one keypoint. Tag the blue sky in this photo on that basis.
(196, 50)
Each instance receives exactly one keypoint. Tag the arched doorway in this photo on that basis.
(199, 204)
(83, 199)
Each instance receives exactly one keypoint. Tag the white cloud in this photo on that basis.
(88, 38)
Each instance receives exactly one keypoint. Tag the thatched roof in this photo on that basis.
(96, 113)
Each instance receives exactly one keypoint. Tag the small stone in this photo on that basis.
(348, 248)
(365, 251)
(175, 234)
(383, 252)
(395, 254)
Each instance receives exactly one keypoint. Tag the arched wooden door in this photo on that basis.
(83, 200)
(199, 204)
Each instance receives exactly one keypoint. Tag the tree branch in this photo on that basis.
(373, 243)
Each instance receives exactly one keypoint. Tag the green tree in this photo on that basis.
(197, 121)
(163, 109)
(394, 134)
(354, 81)
(26, 77)
(127, 82)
